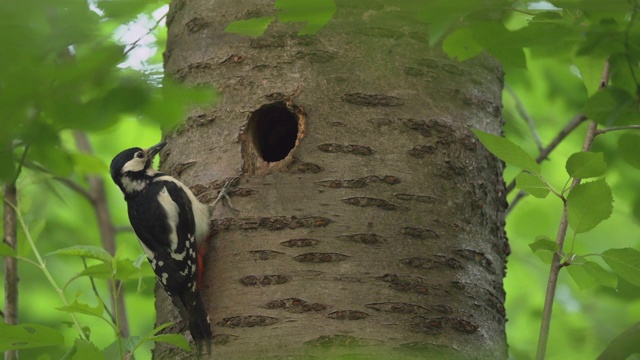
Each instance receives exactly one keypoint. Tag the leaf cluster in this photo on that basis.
(61, 71)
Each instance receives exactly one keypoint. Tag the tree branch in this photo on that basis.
(571, 125)
(10, 263)
(556, 265)
(617, 128)
(97, 194)
(527, 118)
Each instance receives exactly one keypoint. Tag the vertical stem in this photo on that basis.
(552, 284)
(10, 263)
(107, 232)
(554, 272)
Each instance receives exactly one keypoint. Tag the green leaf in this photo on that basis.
(591, 71)
(507, 151)
(544, 243)
(87, 251)
(87, 164)
(581, 277)
(629, 148)
(6, 250)
(532, 184)
(601, 275)
(79, 308)
(315, 14)
(624, 262)
(582, 165)
(499, 42)
(250, 27)
(122, 269)
(612, 106)
(86, 350)
(174, 339)
(588, 204)
(544, 248)
(28, 336)
(460, 45)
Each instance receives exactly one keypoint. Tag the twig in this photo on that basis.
(560, 238)
(519, 196)
(527, 118)
(63, 180)
(42, 266)
(10, 263)
(571, 125)
(95, 291)
(98, 198)
(134, 44)
(617, 128)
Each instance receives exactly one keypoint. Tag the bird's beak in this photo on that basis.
(154, 150)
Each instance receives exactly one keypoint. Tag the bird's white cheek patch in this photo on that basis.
(133, 165)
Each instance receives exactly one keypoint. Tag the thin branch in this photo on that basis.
(63, 180)
(95, 291)
(556, 264)
(98, 197)
(568, 128)
(527, 118)
(10, 264)
(43, 267)
(121, 229)
(134, 44)
(632, 64)
(617, 128)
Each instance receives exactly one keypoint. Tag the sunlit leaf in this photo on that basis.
(173, 339)
(586, 164)
(600, 274)
(87, 251)
(629, 149)
(588, 204)
(6, 250)
(86, 350)
(581, 277)
(460, 45)
(532, 184)
(79, 308)
(28, 336)
(624, 262)
(251, 27)
(315, 14)
(507, 151)
(544, 248)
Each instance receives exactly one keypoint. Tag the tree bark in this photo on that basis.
(381, 233)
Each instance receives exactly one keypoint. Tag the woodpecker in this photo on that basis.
(172, 226)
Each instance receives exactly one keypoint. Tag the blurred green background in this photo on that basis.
(550, 91)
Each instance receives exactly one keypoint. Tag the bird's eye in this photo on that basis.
(139, 154)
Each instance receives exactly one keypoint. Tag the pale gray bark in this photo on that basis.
(381, 234)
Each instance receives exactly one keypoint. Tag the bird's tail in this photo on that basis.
(199, 324)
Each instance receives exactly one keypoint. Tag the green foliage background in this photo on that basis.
(553, 59)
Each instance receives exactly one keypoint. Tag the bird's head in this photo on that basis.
(132, 169)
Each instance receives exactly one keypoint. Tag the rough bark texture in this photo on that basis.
(381, 233)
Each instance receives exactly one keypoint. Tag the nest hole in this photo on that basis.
(273, 130)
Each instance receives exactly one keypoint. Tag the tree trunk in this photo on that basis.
(380, 234)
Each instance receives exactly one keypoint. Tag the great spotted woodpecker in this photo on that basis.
(173, 227)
